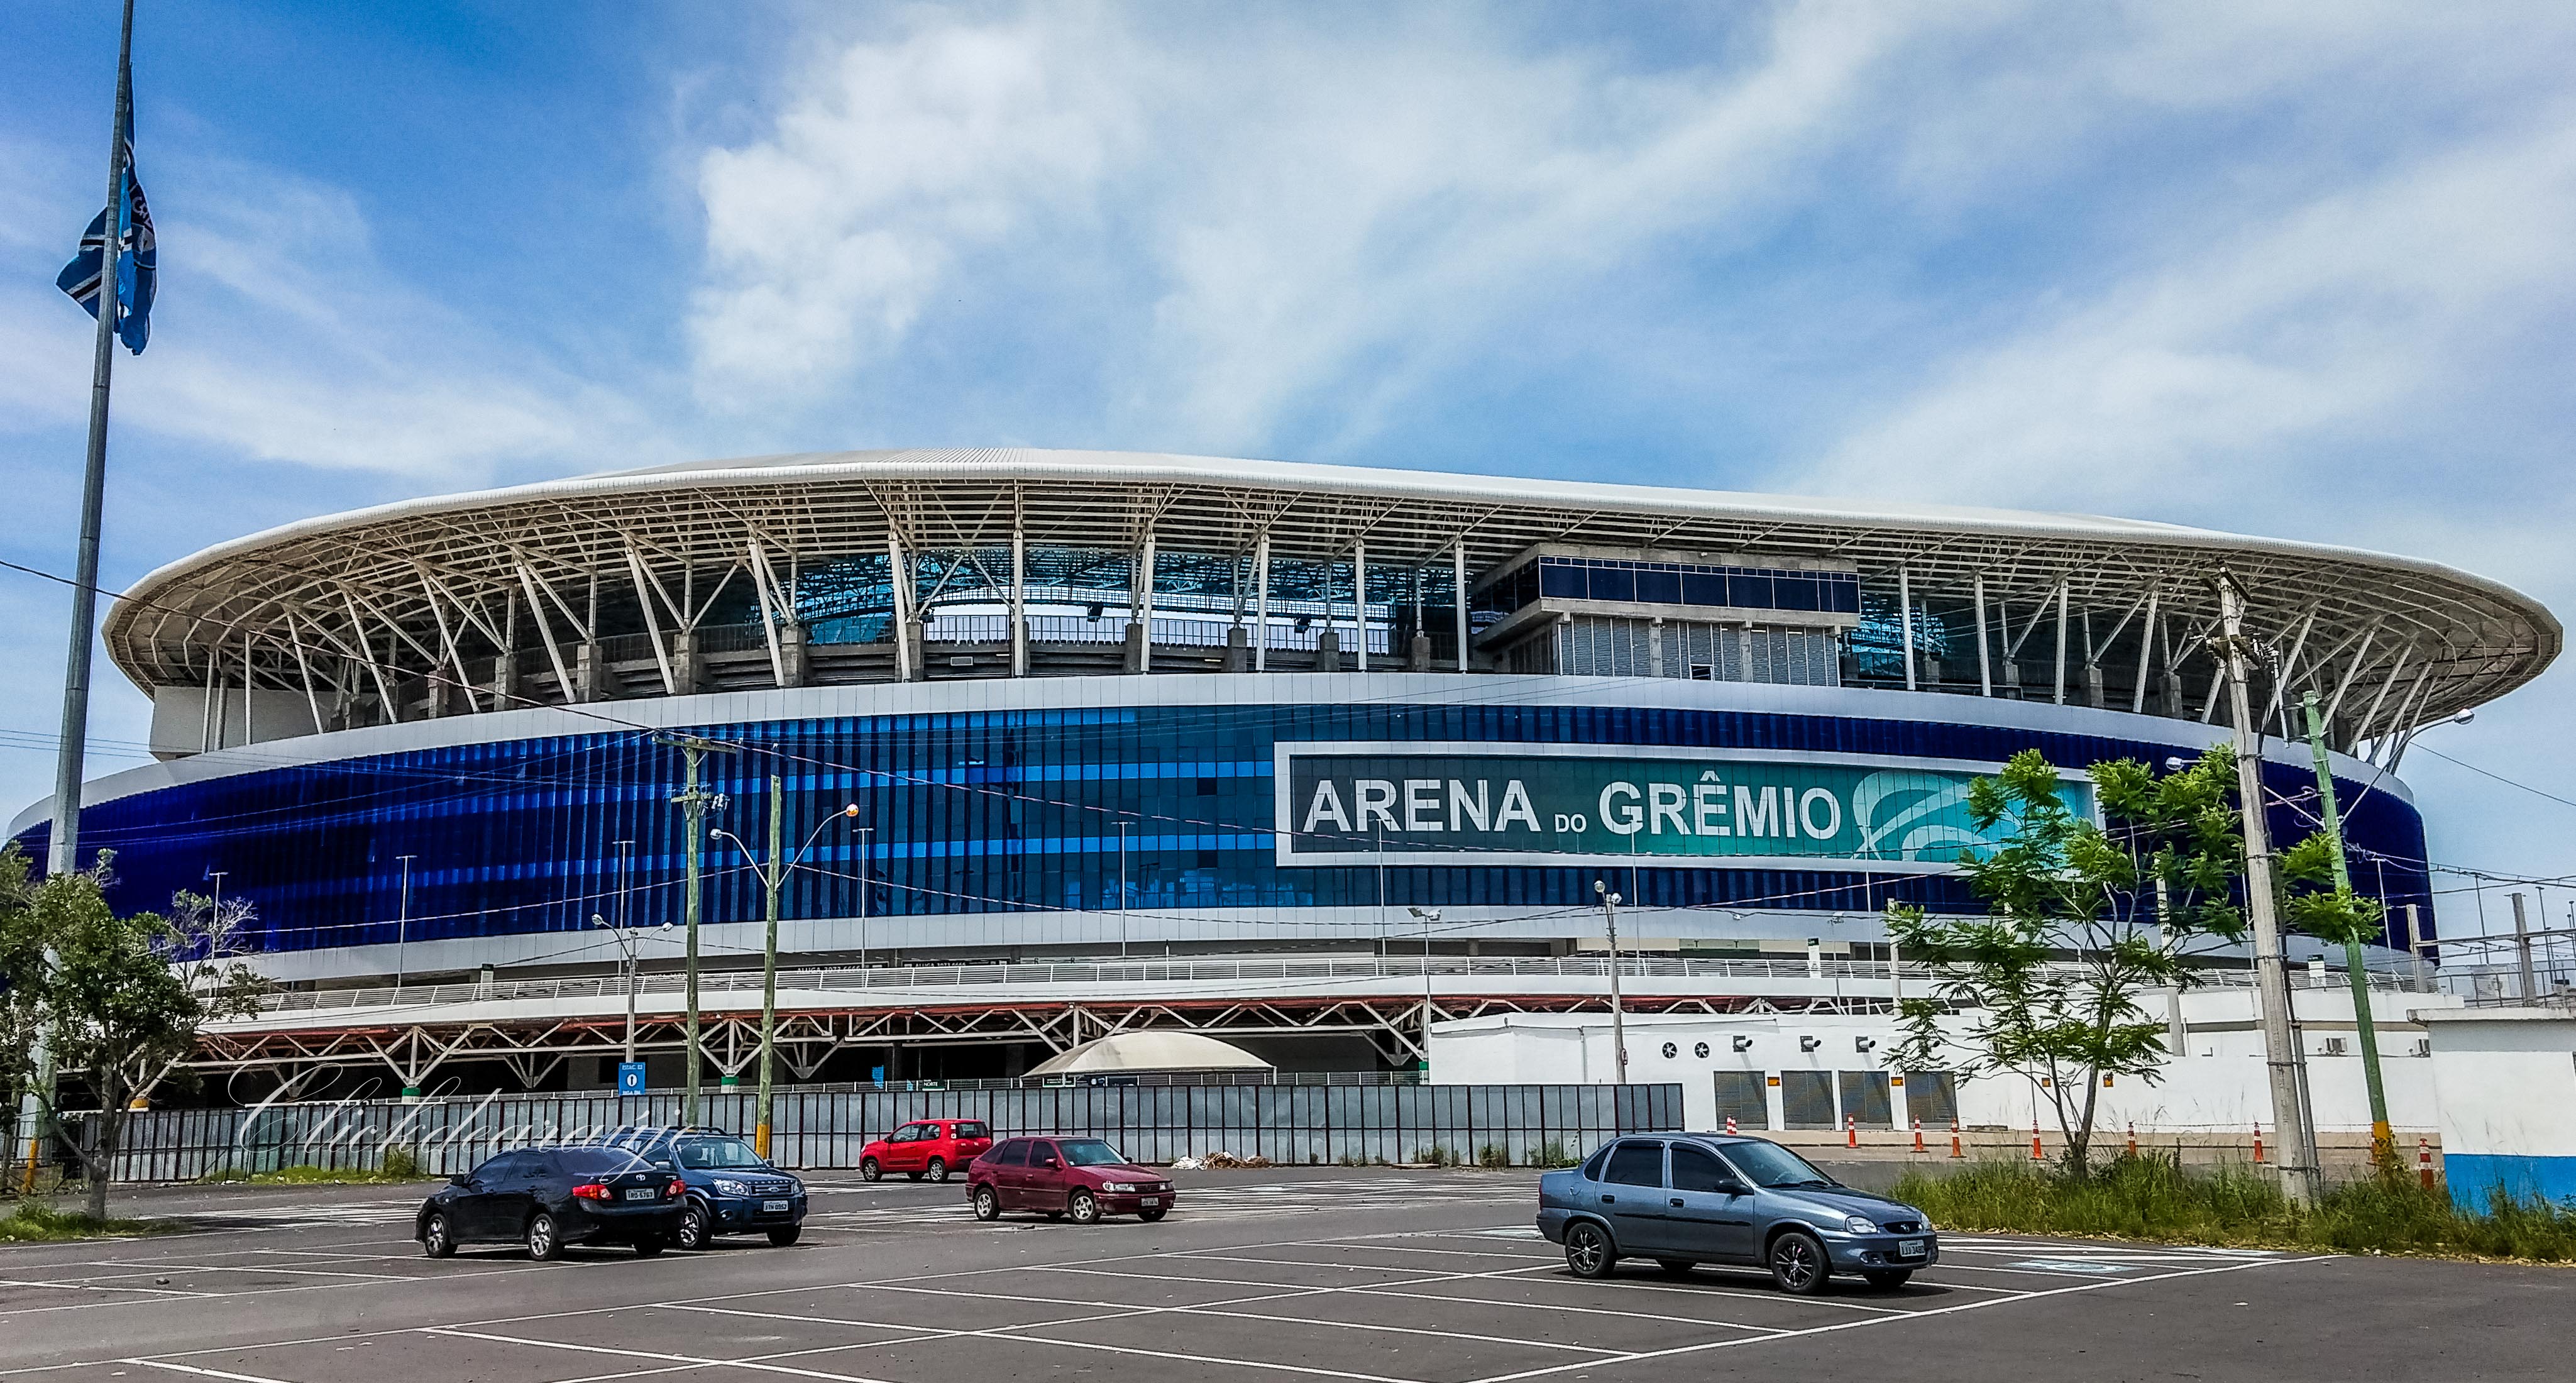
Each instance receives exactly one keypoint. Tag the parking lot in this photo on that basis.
(1370, 1274)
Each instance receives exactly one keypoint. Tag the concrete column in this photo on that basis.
(592, 679)
(688, 665)
(791, 652)
(1238, 649)
(1328, 651)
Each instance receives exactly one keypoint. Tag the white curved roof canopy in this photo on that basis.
(1150, 1050)
(415, 585)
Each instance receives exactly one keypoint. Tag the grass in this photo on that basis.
(400, 1164)
(33, 1223)
(2152, 1197)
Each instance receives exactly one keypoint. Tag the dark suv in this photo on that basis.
(730, 1189)
(547, 1198)
(1687, 1198)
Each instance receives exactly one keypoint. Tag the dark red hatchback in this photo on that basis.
(1080, 1179)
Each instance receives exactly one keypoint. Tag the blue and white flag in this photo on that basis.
(137, 263)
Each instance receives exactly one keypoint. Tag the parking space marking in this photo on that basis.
(200, 1372)
(683, 1360)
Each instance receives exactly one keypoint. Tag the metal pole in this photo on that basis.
(1359, 602)
(1261, 604)
(1618, 1017)
(769, 969)
(865, 834)
(2281, 1052)
(1458, 588)
(1122, 890)
(2383, 1141)
(1905, 617)
(2522, 952)
(693, 803)
(402, 927)
(63, 852)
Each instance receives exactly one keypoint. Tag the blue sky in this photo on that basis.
(2289, 269)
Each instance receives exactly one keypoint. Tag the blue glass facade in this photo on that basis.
(980, 812)
(1670, 583)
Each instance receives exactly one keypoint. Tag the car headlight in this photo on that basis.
(1857, 1225)
(1117, 1186)
(730, 1188)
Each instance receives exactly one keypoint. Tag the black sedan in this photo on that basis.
(547, 1198)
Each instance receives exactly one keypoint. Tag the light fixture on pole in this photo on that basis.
(626, 944)
(402, 926)
(773, 876)
(1430, 918)
(1618, 1020)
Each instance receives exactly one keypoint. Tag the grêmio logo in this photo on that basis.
(1718, 807)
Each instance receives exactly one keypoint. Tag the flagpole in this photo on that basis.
(62, 858)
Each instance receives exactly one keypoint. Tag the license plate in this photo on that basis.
(643, 1193)
(1909, 1248)
(780, 1208)
(1151, 1202)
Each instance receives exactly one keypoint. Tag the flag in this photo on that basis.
(137, 262)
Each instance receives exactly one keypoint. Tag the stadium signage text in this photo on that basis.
(1414, 803)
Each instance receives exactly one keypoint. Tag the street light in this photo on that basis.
(1618, 1021)
(1429, 917)
(772, 877)
(625, 943)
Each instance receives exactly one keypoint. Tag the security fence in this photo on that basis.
(1519, 1124)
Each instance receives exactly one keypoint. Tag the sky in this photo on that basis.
(2295, 270)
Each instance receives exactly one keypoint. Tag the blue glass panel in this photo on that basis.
(1562, 580)
(1613, 583)
(1660, 587)
(1749, 590)
(1703, 588)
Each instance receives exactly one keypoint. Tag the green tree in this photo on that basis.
(2084, 918)
(120, 998)
(22, 954)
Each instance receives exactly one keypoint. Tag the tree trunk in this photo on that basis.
(109, 1126)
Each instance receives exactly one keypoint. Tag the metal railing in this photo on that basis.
(857, 979)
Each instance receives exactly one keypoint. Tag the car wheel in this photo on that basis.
(1798, 1263)
(987, 1205)
(1888, 1280)
(938, 1169)
(781, 1238)
(1677, 1267)
(869, 1170)
(647, 1248)
(1083, 1207)
(694, 1230)
(545, 1243)
(435, 1240)
(1153, 1215)
(1588, 1251)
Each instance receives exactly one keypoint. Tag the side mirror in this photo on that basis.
(1049, 1163)
(460, 1179)
(1734, 1188)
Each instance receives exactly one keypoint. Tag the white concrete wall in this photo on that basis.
(2218, 1085)
(2507, 1081)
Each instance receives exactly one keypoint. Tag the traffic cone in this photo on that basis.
(2035, 1154)
(2424, 1162)
(2133, 1138)
(1730, 1126)
(1955, 1149)
(2258, 1140)
(1918, 1135)
(1851, 1131)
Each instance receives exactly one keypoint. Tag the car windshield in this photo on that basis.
(1769, 1164)
(1089, 1152)
(715, 1154)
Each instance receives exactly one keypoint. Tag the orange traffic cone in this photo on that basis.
(1851, 1131)
(2424, 1162)
(1918, 1135)
(1730, 1125)
(2258, 1140)
(2133, 1138)
(1955, 1149)
(2035, 1154)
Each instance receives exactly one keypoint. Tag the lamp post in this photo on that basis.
(402, 926)
(1618, 1020)
(1429, 917)
(867, 836)
(773, 876)
(626, 944)
(693, 802)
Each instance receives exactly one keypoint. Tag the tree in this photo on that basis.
(22, 955)
(120, 998)
(2084, 917)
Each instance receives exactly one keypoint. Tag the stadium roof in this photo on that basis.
(412, 582)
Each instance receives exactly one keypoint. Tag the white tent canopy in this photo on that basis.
(1150, 1051)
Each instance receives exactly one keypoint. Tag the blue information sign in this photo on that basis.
(630, 1078)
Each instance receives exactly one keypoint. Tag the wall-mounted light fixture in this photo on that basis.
(1809, 1044)
(1743, 1042)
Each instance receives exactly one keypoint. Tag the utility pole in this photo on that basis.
(2383, 1141)
(2282, 1056)
(625, 944)
(693, 803)
(1430, 918)
(1618, 1018)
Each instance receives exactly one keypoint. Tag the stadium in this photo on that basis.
(1076, 742)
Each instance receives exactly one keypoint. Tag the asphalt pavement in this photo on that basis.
(1381, 1275)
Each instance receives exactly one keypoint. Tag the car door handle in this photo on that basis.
(1676, 1202)
(1609, 1200)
